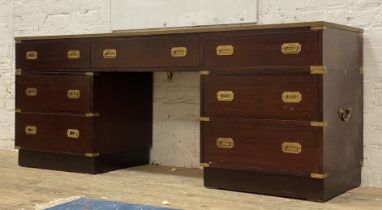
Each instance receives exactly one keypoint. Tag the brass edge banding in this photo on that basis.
(318, 69)
(96, 154)
(204, 164)
(90, 114)
(318, 124)
(19, 71)
(316, 28)
(204, 72)
(18, 110)
(318, 176)
(204, 119)
(18, 41)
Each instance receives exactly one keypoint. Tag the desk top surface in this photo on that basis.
(197, 29)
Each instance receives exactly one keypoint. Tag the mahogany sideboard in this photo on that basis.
(281, 105)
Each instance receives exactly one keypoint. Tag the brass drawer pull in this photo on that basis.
(291, 48)
(31, 55)
(291, 147)
(224, 50)
(225, 95)
(31, 92)
(73, 133)
(109, 53)
(178, 52)
(74, 94)
(73, 54)
(225, 143)
(291, 97)
(30, 130)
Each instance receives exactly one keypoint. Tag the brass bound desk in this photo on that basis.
(281, 105)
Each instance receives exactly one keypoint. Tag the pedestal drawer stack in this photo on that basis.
(70, 118)
(282, 111)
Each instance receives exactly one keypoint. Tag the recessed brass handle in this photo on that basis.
(224, 50)
(73, 94)
(178, 51)
(291, 147)
(345, 114)
(31, 92)
(109, 53)
(73, 133)
(31, 55)
(291, 97)
(225, 95)
(73, 54)
(225, 143)
(291, 48)
(30, 130)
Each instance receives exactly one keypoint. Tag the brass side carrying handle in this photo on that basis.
(73, 94)
(291, 147)
(225, 143)
(291, 48)
(30, 130)
(178, 52)
(73, 133)
(31, 91)
(224, 50)
(344, 114)
(31, 55)
(224, 95)
(109, 53)
(73, 54)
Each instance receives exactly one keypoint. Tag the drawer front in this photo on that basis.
(53, 132)
(292, 97)
(54, 93)
(262, 49)
(146, 52)
(53, 54)
(262, 144)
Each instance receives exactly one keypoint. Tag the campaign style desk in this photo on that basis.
(281, 105)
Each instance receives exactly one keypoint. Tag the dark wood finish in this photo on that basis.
(51, 132)
(138, 52)
(261, 96)
(319, 190)
(81, 164)
(257, 144)
(52, 55)
(262, 48)
(257, 120)
(52, 93)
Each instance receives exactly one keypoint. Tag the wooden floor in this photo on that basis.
(27, 188)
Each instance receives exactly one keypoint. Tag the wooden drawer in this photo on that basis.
(60, 133)
(171, 51)
(53, 54)
(295, 48)
(54, 93)
(261, 144)
(292, 97)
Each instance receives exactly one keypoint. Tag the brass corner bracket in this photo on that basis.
(204, 72)
(318, 176)
(316, 28)
(204, 119)
(204, 164)
(318, 124)
(318, 69)
(18, 72)
(90, 114)
(17, 110)
(96, 154)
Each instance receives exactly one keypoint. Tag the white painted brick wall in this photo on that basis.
(176, 103)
